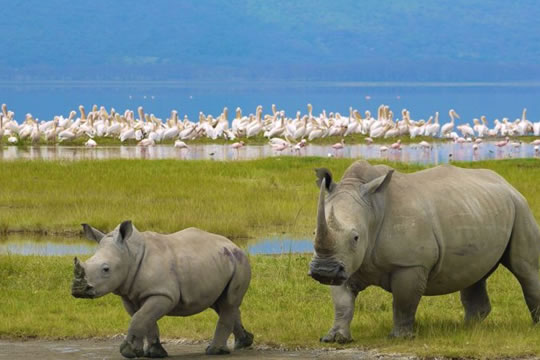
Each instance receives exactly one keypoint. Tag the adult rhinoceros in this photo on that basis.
(177, 274)
(432, 232)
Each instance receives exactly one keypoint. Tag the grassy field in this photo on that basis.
(239, 199)
(282, 307)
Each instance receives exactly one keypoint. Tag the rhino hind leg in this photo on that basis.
(407, 286)
(228, 308)
(224, 328)
(242, 337)
(343, 298)
(475, 300)
(521, 258)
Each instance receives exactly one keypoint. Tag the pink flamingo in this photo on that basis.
(502, 143)
(280, 147)
(339, 145)
(237, 145)
(396, 145)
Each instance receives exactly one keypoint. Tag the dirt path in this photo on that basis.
(108, 349)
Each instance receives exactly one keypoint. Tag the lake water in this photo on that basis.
(470, 100)
(28, 244)
(440, 153)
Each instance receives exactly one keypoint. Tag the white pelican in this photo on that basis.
(448, 127)
(433, 129)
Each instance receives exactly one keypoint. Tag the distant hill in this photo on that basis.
(271, 39)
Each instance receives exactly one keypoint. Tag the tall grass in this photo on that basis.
(238, 199)
(282, 307)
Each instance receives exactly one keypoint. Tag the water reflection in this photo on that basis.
(437, 154)
(56, 246)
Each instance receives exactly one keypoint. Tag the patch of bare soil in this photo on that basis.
(109, 349)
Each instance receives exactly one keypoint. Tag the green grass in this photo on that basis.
(239, 199)
(282, 307)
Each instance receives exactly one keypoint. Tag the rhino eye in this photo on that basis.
(106, 269)
(355, 237)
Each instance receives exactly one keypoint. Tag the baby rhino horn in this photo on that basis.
(78, 271)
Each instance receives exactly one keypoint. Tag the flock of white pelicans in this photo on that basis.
(282, 132)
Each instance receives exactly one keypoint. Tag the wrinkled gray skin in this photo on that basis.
(179, 274)
(432, 232)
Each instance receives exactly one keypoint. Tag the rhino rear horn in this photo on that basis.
(325, 174)
(92, 233)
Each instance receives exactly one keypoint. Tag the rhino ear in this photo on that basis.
(377, 184)
(324, 173)
(91, 233)
(125, 230)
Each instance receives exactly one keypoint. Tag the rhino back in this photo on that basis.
(191, 266)
(455, 222)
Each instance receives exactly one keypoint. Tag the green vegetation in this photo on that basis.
(299, 312)
(256, 140)
(238, 199)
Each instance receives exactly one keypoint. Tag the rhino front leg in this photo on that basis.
(154, 349)
(343, 299)
(407, 286)
(143, 320)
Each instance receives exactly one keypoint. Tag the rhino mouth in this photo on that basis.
(327, 271)
(81, 289)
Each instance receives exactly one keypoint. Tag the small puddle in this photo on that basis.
(57, 246)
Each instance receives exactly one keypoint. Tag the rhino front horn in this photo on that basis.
(322, 240)
(80, 287)
(78, 270)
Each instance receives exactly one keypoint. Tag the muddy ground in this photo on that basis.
(108, 349)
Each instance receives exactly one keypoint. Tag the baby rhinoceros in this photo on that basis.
(177, 274)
